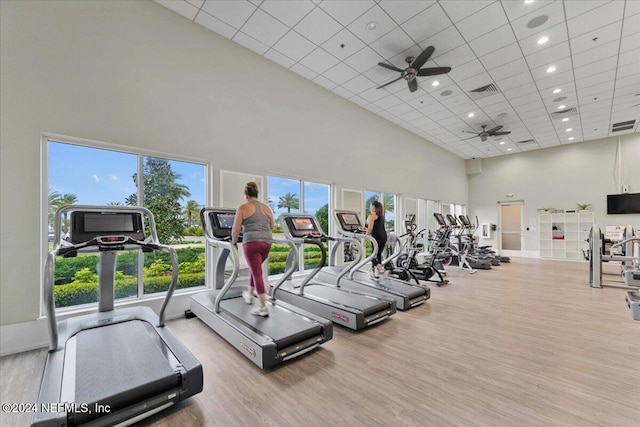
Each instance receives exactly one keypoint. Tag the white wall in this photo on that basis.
(136, 74)
(559, 178)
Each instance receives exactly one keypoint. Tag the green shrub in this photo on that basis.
(194, 231)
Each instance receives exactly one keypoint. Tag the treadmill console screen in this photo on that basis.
(222, 223)
(87, 225)
(349, 221)
(440, 219)
(302, 226)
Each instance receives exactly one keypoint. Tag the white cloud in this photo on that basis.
(95, 177)
(114, 178)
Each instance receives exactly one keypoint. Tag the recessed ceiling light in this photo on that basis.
(470, 115)
(372, 25)
(543, 40)
(502, 143)
(435, 83)
(566, 119)
(551, 69)
(509, 149)
(569, 129)
(571, 139)
(528, 1)
(558, 90)
(562, 107)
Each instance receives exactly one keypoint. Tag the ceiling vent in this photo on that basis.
(484, 91)
(620, 126)
(526, 141)
(564, 113)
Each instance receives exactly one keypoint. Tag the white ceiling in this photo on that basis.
(594, 46)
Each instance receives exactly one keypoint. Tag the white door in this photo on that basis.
(511, 228)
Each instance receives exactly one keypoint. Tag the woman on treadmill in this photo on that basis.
(376, 228)
(255, 220)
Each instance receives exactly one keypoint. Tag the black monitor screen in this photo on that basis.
(225, 220)
(350, 219)
(87, 225)
(627, 203)
(303, 224)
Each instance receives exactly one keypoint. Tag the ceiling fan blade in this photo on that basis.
(466, 131)
(433, 71)
(423, 57)
(413, 85)
(388, 83)
(507, 132)
(470, 138)
(495, 129)
(389, 67)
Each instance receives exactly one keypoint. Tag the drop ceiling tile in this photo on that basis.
(457, 10)
(406, 95)
(400, 109)
(318, 26)
(388, 102)
(562, 66)
(514, 81)
(482, 22)
(556, 80)
(596, 90)
(365, 61)
(403, 10)
(631, 25)
(304, 71)
(373, 108)
(215, 25)
(604, 35)
(501, 56)
(411, 116)
(279, 58)
(475, 82)
(551, 54)
(359, 101)
(630, 43)
(392, 43)
(421, 101)
(326, 83)
(185, 9)
(595, 79)
(524, 100)
(346, 12)
(341, 73)
(499, 107)
(575, 8)
(289, 12)
(444, 41)
(429, 110)
(358, 84)
(493, 40)
(510, 69)
(342, 92)
(453, 58)
(631, 82)
(294, 46)
(427, 23)
(250, 43)
(319, 61)
(556, 34)
(595, 68)
(375, 14)
(607, 51)
(520, 90)
(596, 18)
(554, 13)
(343, 45)
(467, 70)
(494, 99)
(232, 12)
(265, 28)
(196, 3)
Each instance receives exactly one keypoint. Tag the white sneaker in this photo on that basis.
(260, 311)
(247, 297)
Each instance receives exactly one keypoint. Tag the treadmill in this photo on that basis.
(405, 294)
(354, 310)
(118, 365)
(287, 332)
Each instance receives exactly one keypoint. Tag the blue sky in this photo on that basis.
(315, 195)
(98, 177)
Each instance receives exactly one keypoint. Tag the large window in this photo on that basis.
(173, 190)
(288, 195)
(388, 201)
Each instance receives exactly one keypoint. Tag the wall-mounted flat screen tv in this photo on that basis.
(627, 203)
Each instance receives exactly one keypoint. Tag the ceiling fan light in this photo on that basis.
(435, 83)
(558, 90)
(502, 142)
(566, 119)
(543, 40)
(569, 129)
(470, 115)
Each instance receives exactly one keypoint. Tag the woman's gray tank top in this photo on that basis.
(257, 228)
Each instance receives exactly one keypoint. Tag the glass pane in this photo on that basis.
(174, 191)
(89, 176)
(283, 196)
(389, 204)
(316, 202)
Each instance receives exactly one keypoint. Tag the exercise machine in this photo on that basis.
(118, 365)
(287, 333)
(350, 277)
(354, 310)
(622, 248)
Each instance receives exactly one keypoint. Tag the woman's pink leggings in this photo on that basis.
(255, 253)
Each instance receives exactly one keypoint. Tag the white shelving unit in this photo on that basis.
(563, 235)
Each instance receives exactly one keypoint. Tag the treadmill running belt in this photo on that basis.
(121, 364)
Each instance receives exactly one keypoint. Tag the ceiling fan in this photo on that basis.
(413, 70)
(487, 133)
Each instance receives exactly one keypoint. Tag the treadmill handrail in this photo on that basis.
(332, 257)
(62, 247)
(291, 267)
(224, 245)
(361, 238)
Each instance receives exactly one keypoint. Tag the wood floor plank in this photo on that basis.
(527, 343)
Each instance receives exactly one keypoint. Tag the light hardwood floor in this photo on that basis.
(525, 344)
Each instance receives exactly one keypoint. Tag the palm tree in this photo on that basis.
(289, 201)
(54, 199)
(191, 211)
(65, 200)
(114, 204)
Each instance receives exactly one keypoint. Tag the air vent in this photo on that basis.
(564, 113)
(620, 126)
(526, 141)
(484, 91)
